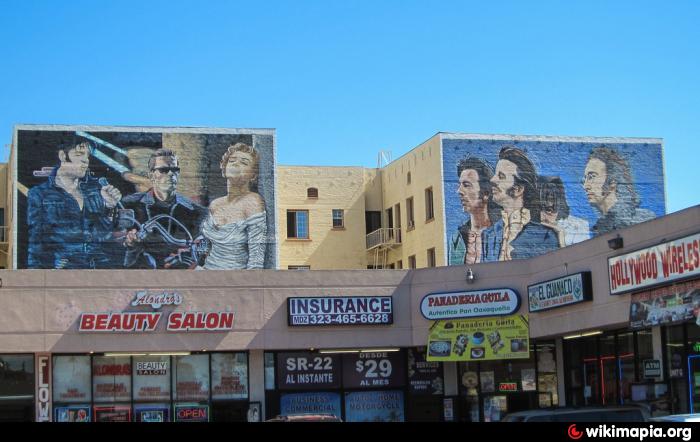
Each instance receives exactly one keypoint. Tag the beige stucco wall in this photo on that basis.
(344, 188)
(40, 308)
(425, 165)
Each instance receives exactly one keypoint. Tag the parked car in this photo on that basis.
(582, 414)
(695, 417)
(305, 418)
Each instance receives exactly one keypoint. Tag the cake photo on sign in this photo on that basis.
(439, 348)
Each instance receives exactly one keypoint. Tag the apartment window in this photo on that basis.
(410, 220)
(298, 267)
(312, 192)
(429, 211)
(338, 218)
(298, 224)
(431, 257)
(408, 178)
(412, 262)
(399, 264)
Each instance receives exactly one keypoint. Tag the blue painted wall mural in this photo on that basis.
(514, 199)
(109, 198)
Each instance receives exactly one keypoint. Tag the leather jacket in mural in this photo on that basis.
(64, 236)
(533, 240)
(619, 216)
(153, 251)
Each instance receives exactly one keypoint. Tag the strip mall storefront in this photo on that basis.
(566, 328)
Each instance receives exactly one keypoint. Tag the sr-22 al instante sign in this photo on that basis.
(471, 304)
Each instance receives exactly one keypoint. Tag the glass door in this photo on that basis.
(609, 379)
(694, 382)
(591, 386)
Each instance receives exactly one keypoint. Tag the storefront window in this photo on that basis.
(113, 413)
(269, 371)
(608, 369)
(71, 379)
(424, 378)
(469, 391)
(152, 413)
(191, 378)
(626, 365)
(425, 402)
(693, 333)
(374, 406)
(151, 378)
(573, 367)
(16, 388)
(590, 367)
(111, 378)
(16, 377)
(645, 350)
(675, 351)
(229, 373)
(547, 374)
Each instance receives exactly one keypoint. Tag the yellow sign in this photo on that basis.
(505, 337)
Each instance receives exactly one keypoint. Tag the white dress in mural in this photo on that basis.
(238, 245)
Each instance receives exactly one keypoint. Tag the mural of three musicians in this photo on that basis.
(506, 201)
(145, 200)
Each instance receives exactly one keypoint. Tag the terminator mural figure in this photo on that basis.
(171, 219)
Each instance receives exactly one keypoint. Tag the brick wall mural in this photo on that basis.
(110, 198)
(514, 199)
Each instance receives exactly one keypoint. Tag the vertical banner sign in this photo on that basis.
(43, 387)
(424, 377)
(374, 370)
(307, 371)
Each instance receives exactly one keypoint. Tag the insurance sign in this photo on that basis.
(340, 310)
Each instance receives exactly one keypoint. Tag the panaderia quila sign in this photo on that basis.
(147, 322)
(472, 304)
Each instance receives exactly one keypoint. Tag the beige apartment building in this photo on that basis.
(392, 217)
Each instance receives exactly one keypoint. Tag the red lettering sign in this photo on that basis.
(663, 263)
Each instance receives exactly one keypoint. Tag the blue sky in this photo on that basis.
(342, 80)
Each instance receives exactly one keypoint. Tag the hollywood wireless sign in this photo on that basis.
(146, 322)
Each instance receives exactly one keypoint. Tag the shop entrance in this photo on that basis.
(694, 378)
(603, 376)
(602, 369)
